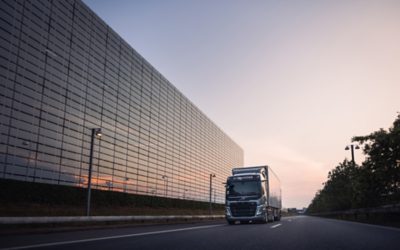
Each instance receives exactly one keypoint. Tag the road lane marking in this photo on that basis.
(110, 237)
(277, 225)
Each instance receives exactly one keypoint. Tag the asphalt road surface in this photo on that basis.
(299, 232)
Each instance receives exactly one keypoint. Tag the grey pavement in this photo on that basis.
(298, 232)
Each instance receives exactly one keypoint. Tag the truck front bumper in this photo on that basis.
(247, 218)
(259, 215)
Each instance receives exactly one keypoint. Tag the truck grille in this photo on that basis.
(243, 209)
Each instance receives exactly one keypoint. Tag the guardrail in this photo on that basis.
(74, 219)
(388, 214)
(395, 208)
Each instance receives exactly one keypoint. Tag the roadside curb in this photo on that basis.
(80, 219)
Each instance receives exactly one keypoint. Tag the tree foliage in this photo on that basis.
(375, 182)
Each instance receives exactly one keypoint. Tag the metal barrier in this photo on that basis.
(394, 208)
(69, 219)
(385, 215)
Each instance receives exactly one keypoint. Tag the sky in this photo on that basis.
(290, 81)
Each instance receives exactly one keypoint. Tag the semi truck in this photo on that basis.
(253, 194)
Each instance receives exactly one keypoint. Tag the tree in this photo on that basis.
(381, 181)
(376, 182)
(338, 192)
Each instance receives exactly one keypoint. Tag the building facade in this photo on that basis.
(63, 71)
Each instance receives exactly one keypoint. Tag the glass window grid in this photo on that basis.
(150, 129)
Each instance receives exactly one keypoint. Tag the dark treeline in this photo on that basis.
(375, 182)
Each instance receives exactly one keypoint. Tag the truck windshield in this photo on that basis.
(239, 188)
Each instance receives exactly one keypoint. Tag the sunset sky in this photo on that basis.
(290, 81)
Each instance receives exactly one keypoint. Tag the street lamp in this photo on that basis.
(165, 178)
(211, 176)
(352, 151)
(96, 132)
(126, 183)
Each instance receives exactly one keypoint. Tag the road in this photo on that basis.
(299, 232)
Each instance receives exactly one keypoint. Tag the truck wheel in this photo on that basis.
(264, 220)
(231, 222)
(271, 219)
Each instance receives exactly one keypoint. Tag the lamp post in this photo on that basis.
(211, 176)
(96, 132)
(153, 192)
(165, 178)
(126, 183)
(352, 152)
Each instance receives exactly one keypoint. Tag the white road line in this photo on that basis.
(277, 225)
(110, 237)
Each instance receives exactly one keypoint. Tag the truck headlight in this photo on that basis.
(260, 210)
